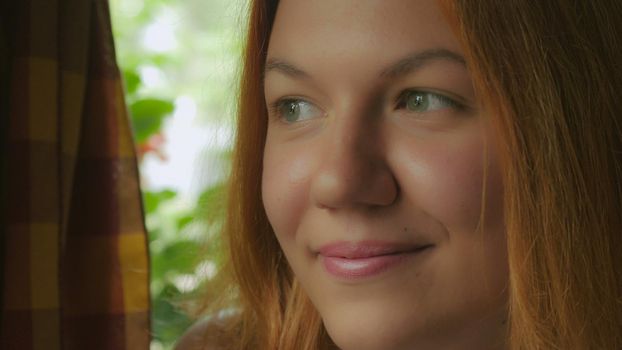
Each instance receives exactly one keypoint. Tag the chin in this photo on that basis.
(360, 333)
(387, 329)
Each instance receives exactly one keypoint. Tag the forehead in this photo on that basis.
(357, 31)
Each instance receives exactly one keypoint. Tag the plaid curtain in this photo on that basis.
(73, 249)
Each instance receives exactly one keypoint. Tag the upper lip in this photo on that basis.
(367, 249)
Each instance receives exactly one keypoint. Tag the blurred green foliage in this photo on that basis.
(184, 255)
(183, 236)
(147, 116)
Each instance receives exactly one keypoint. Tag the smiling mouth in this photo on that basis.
(351, 261)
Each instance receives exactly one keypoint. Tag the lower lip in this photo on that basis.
(351, 269)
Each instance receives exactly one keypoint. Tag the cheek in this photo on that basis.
(285, 187)
(444, 178)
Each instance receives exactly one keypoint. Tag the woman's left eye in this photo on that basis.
(425, 101)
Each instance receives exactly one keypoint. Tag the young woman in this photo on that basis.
(415, 174)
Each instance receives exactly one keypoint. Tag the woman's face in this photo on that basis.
(373, 176)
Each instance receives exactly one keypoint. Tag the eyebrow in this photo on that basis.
(417, 60)
(279, 65)
(404, 66)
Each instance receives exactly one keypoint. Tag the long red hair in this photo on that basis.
(549, 76)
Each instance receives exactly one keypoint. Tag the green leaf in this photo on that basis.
(210, 205)
(152, 200)
(154, 235)
(147, 116)
(180, 257)
(159, 267)
(132, 81)
(184, 221)
(168, 321)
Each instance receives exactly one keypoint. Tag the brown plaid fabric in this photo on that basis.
(73, 248)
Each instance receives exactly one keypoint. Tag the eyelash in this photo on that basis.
(275, 107)
(402, 99)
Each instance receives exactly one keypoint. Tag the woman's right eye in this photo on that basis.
(295, 110)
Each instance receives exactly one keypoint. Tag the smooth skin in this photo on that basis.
(375, 133)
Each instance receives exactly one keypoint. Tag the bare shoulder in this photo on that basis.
(206, 334)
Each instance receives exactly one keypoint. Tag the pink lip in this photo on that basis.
(354, 260)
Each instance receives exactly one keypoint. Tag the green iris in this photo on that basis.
(422, 101)
(292, 111)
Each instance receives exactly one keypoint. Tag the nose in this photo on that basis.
(354, 170)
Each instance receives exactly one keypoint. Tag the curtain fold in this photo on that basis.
(74, 270)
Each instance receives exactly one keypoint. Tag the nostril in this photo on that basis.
(384, 190)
